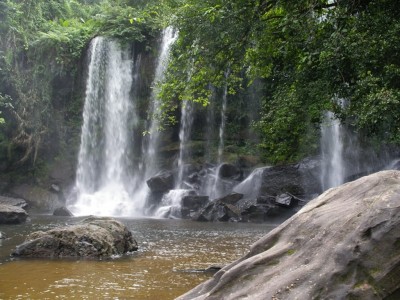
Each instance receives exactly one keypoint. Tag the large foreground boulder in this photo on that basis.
(92, 238)
(345, 244)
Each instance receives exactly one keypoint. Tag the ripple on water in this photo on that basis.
(168, 249)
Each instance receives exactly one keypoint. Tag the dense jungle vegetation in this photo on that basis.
(308, 55)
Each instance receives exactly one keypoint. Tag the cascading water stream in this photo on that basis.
(216, 188)
(102, 175)
(184, 136)
(332, 165)
(150, 158)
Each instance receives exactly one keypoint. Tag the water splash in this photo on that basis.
(171, 204)
(250, 187)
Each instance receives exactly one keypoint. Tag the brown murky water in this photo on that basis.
(166, 266)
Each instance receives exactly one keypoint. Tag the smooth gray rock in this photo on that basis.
(91, 238)
(10, 214)
(13, 201)
(345, 244)
(38, 197)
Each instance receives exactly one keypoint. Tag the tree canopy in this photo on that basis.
(307, 55)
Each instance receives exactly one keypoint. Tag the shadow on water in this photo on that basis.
(173, 257)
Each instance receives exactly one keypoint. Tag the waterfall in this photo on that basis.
(184, 136)
(223, 124)
(103, 176)
(169, 36)
(217, 189)
(332, 165)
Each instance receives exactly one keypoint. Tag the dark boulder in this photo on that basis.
(62, 212)
(222, 210)
(294, 179)
(91, 238)
(227, 171)
(10, 214)
(191, 204)
(342, 245)
(161, 183)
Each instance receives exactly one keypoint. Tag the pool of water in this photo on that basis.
(171, 255)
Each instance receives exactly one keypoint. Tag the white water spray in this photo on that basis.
(102, 175)
(169, 36)
(333, 165)
(184, 136)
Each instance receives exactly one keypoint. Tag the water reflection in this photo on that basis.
(169, 250)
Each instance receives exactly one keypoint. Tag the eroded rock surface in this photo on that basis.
(345, 244)
(91, 238)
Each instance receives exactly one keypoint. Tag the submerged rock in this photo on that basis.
(342, 245)
(91, 238)
(10, 214)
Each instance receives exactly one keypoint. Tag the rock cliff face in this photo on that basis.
(345, 244)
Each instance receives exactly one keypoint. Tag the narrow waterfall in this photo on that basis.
(103, 176)
(217, 188)
(151, 145)
(332, 165)
(184, 136)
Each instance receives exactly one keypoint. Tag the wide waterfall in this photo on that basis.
(103, 177)
(111, 176)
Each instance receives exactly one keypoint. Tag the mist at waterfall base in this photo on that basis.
(111, 176)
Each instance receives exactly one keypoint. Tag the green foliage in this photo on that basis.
(43, 40)
(307, 53)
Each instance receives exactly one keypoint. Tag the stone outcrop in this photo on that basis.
(342, 245)
(296, 179)
(91, 238)
(10, 214)
(222, 210)
(38, 197)
(13, 202)
(192, 203)
(162, 182)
